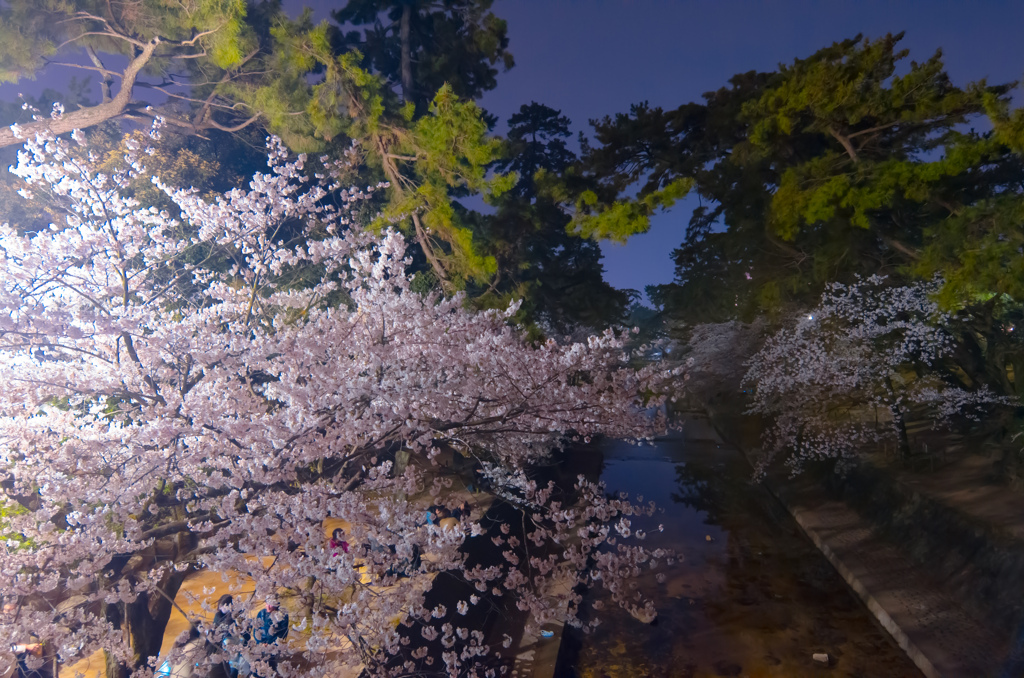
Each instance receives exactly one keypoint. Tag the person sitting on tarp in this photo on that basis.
(271, 624)
(337, 544)
(29, 654)
(187, 653)
(271, 627)
(435, 513)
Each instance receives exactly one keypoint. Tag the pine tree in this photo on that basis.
(421, 45)
(557, 274)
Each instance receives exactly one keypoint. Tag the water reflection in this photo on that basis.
(750, 595)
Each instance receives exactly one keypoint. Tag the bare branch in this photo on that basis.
(175, 95)
(845, 141)
(232, 128)
(65, 64)
(92, 115)
(105, 83)
(195, 38)
(903, 249)
(106, 34)
(204, 113)
(197, 55)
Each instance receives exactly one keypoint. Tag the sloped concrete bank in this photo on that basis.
(980, 564)
(948, 587)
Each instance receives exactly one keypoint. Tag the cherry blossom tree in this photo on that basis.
(716, 355)
(867, 347)
(180, 392)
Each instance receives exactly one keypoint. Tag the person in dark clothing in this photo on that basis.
(224, 617)
(459, 511)
(224, 637)
(24, 653)
(337, 544)
(268, 630)
(271, 627)
(435, 513)
(407, 566)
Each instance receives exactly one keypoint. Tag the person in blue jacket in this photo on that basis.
(271, 626)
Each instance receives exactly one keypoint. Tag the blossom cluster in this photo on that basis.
(867, 349)
(200, 390)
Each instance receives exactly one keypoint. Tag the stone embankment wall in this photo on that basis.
(969, 570)
(981, 565)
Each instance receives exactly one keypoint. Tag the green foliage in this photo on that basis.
(12, 540)
(453, 143)
(446, 152)
(200, 54)
(848, 162)
(978, 245)
(231, 41)
(35, 29)
(21, 50)
(305, 82)
(634, 148)
(1008, 125)
(623, 218)
(877, 133)
(427, 159)
(458, 43)
(648, 149)
(556, 274)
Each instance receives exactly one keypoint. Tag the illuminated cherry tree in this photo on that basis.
(200, 390)
(868, 347)
(716, 355)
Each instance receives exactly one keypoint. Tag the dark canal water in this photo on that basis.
(750, 595)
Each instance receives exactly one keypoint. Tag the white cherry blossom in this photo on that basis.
(201, 390)
(848, 373)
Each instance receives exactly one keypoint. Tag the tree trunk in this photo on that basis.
(428, 250)
(901, 431)
(145, 620)
(845, 142)
(1017, 361)
(403, 36)
(395, 179)
(105, 82)
(86, 117)
(897, 419)
(113, 668)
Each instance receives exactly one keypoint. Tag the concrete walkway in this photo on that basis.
(938, 634)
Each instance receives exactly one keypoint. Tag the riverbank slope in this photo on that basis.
(936, 554)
